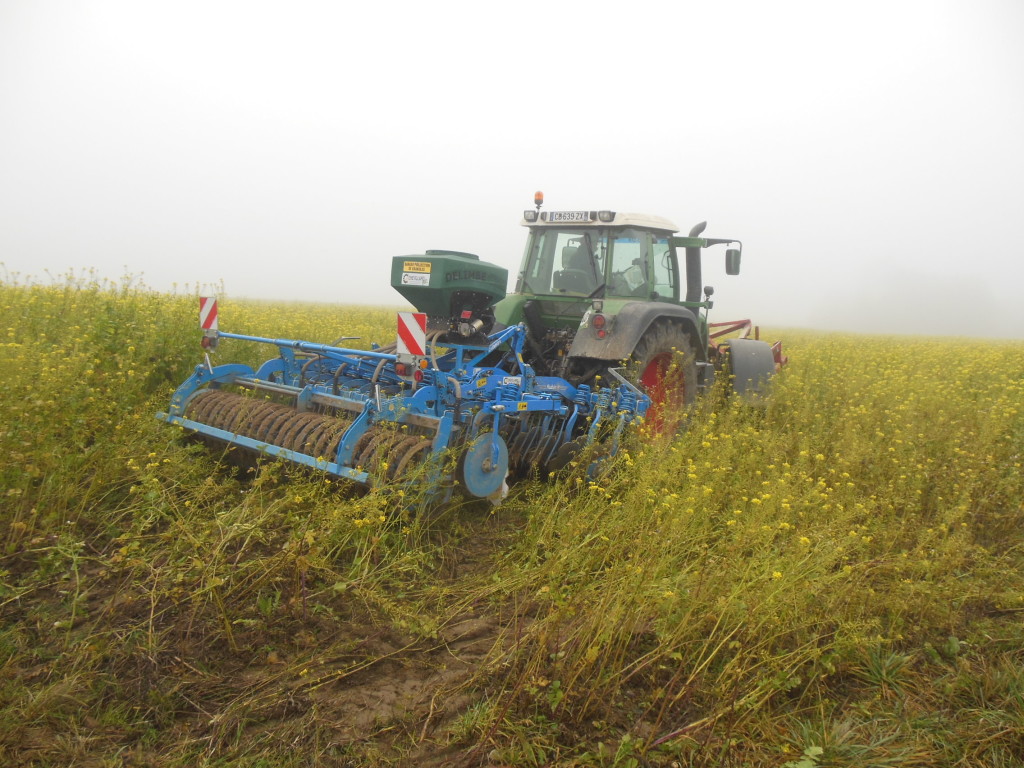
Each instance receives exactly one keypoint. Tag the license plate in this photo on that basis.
(569, 216)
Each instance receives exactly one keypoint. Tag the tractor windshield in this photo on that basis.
(565, 261)
(620, 262)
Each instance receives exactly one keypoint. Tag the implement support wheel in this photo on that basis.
(750, 365)
(482, 468)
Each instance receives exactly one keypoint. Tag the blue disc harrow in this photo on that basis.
(459, 415)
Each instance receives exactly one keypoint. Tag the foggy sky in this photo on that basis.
(869, 155)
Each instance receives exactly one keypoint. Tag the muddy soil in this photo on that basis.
(156, 686)
(377, 696)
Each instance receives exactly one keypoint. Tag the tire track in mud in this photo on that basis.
(388, 692)
(414, 690)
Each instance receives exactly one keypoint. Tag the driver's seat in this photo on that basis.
(577, 275)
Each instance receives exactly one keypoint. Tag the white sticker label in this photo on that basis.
(517, 380)
(415, 278)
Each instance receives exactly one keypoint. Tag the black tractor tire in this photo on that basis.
(750, 365)
(664, 365)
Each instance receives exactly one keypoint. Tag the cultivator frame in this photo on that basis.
(382, 416)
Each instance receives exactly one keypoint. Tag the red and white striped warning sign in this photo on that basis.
(208, 313)
(412, 333)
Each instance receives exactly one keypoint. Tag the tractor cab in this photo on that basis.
(600, 254)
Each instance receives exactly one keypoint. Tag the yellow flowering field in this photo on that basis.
(834, 579)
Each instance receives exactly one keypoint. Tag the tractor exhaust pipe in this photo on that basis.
(693, 274)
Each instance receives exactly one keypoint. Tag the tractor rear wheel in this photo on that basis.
(666, 368)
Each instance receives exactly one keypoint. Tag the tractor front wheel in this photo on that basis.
(666, 368)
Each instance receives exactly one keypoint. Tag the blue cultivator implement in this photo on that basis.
(448, 404)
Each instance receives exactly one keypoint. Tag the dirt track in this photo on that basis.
(370, 691)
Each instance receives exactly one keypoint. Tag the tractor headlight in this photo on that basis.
(606, 216)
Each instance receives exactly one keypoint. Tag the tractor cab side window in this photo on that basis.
(663, 274)
(630, 264)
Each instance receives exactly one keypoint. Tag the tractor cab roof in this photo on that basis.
(596, 219)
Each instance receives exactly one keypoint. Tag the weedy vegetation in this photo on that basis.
(835, 579)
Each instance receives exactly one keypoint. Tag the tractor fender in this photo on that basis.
(751, 365)
(629, 325)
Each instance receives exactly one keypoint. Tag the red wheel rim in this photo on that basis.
(665, 383)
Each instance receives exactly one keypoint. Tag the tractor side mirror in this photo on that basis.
(732, 261)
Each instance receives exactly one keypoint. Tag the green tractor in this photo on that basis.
(597, 288)
(598, 334)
